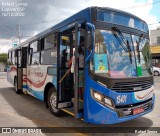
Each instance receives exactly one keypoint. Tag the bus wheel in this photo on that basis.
(52, 100)
(18, 91)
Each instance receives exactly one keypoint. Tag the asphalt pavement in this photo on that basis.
(26, 111)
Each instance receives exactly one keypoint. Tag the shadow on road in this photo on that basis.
(35, 111)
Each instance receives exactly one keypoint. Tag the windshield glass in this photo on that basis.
(115, 59)
(122, 19)
(143, 55)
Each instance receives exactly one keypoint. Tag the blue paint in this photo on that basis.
(96, 113)
(54, 79)
(37, 94)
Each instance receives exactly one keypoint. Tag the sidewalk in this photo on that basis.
(157, 85)
(3, 75)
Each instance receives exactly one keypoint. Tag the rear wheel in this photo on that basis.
(156, 73)
(52, 101)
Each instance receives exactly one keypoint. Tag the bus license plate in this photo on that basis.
(138, 110)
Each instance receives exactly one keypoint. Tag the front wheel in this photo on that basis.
(52, 101)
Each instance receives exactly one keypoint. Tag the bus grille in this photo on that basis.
(130, 86)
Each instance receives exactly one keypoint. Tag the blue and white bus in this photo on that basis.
(117, 73)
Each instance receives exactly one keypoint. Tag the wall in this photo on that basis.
(153, 37)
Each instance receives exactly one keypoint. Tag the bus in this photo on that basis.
(117, 74)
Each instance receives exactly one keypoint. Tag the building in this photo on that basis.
(155, 46)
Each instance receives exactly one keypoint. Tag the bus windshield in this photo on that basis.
(113, 58)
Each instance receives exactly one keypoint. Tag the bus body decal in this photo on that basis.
(37, 94)
(38, 85)
(143, 95)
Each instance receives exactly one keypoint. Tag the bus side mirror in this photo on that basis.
(90, 36)
(89, 40)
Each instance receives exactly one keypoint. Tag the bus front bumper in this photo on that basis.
(99, 114)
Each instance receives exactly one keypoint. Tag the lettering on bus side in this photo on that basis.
(121, 99)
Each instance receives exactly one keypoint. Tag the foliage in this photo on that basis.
(3, 58)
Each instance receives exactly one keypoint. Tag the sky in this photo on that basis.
(38, 15)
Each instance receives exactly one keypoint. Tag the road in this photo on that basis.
(24, 110)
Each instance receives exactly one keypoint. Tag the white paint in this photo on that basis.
(121, 98)
(145, 94)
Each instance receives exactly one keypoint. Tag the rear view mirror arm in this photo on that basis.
(92, 27)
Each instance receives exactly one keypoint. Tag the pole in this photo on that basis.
(18, 33)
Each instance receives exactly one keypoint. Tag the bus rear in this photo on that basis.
(119, 81)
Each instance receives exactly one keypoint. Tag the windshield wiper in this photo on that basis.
(138, 51)
(123, 39)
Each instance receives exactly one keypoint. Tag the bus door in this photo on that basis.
(19, 71)
(65, 79)
(69, 39)
(24, 68)
(21, 68)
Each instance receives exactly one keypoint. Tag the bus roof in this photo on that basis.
(83, 14)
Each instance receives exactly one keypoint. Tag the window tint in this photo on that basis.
(49, 56)
(9, 59)
(11, 54)
(35, 58)
(13, 58)
(49, 50)
(50, 41)
(34, 46)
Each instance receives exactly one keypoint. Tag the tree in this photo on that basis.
(3, 58)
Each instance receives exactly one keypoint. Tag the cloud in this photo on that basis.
(5, 45)
(30, 23)
(139, 8)
(40, 15)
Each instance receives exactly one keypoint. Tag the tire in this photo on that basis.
(18, 91)
(51, 101)
(156, 73)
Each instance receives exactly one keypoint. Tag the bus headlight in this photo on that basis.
(102, 99)
(108, 102)
(97, 96)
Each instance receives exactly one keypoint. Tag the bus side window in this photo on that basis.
(49, 50)
(12, 58)
(34, 54)
(9, 58)
(15, 57)
(65, 51)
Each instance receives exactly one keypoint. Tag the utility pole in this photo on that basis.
(18, 33)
